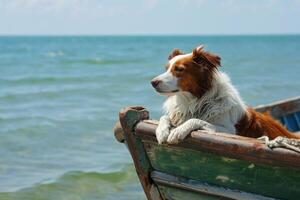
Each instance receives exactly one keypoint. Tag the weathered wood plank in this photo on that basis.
(281, 108)
(208, 191)
(266, 180)
(228, 145)
(129, 117)
(178, 194)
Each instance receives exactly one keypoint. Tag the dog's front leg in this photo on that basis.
(180, 132)
(163, 129)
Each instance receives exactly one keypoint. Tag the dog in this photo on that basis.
(200, 96)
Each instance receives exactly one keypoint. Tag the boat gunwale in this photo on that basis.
(227, 145)
(281, 108)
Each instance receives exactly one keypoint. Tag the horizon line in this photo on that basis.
(141, 35)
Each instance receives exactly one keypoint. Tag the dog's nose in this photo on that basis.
(155, 83)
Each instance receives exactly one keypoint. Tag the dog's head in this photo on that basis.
(191, 73)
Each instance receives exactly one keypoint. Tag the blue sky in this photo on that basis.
(123, 17)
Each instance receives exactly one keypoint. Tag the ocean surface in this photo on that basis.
(60, 98)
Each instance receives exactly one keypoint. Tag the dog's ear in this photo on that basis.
(175, 52)
(199, 55)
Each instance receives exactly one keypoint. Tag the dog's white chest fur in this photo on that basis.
(220, 106)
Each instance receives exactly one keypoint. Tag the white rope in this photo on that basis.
(281, 142)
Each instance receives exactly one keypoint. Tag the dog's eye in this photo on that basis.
(179, 69)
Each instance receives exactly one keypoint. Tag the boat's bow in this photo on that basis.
(210, 166)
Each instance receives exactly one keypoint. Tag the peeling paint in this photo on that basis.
(229, 160)
(222, 178)
(251, 166)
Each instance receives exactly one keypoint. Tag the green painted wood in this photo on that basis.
(142, 156)
(176, 194)
(276, 182)
(201, 188)
(129, 117)
(228, 145)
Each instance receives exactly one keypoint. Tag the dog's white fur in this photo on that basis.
(219, 109)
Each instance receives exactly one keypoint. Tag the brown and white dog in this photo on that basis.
(199, 96)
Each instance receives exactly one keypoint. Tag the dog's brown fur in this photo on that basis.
(195, 75)
(255, 124)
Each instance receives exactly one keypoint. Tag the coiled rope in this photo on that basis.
(282, 142)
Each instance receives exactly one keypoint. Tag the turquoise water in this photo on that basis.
(60, 97)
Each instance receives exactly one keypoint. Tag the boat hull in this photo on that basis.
(212, 166)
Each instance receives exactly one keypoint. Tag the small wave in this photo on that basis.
(49, 79)
(98, 61)
(55, 53)
(50, 91)
(84, 185)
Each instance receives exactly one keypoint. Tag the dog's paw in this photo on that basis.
(176, 135)
(162, 134)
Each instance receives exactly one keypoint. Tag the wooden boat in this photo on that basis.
(212, 166)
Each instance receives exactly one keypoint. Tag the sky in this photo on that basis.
(149, 17)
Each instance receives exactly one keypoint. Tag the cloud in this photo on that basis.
(150, 4)
(153, 16)
(36, 5)
(191, 2)
(67, 8)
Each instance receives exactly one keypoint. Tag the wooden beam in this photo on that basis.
(281, 108)
(227, 145)
(129, 117)
(185, 184)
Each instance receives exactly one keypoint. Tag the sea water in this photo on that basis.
(60, 98)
